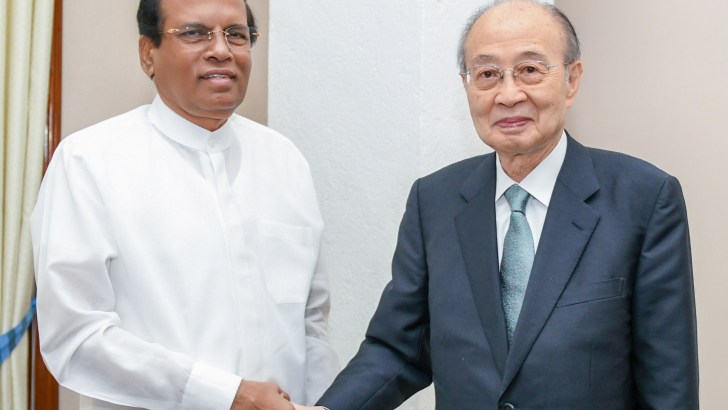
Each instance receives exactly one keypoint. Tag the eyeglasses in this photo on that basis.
(486, 77)
(199, 36)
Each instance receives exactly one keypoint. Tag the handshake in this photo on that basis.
(265, 396)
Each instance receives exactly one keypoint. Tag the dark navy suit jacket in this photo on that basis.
(608, 319)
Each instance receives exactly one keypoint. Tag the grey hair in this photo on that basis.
(573, 47)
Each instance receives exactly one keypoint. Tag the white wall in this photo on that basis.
(371, 94)
(374, 102)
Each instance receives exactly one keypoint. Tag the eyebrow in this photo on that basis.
(206, 27)
(490, 59)
(192, 24)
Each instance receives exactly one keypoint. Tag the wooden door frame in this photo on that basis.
(43, 391)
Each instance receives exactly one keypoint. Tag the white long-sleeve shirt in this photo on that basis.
(172, 262)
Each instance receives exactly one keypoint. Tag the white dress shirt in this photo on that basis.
(539, 184)
(172, 262)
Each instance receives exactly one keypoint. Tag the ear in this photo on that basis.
(575, 70)
(465, 81)
(146, 55)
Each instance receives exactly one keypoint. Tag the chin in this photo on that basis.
(222, 108)
(501, 138)
(222, 101)
(510, 144)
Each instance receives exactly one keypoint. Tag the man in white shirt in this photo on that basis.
(176, 245)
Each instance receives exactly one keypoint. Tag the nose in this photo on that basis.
(219, 47)
(509, 92)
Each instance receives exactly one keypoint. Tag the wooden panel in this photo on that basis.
(54, 92)
(44, 388)
(44, 391)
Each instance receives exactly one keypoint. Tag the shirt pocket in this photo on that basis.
(289, 259)
(594, 291)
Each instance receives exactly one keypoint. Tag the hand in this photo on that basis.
(300, 407)
(261, 396)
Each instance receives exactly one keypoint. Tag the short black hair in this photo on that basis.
(149, 19)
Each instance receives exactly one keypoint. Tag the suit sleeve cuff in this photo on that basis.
(210, 388)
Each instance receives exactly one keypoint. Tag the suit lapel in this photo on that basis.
(476, 230)
(567, 229)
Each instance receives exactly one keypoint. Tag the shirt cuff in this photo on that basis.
(210, 388)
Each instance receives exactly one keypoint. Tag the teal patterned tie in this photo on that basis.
(517, 258)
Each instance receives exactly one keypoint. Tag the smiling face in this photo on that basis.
(202, 84)
(522, 123)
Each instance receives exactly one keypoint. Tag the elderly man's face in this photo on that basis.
(513, 118)
(206, 82)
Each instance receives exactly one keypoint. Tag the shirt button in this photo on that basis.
(507, 406)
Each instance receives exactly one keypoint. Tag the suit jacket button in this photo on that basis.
(507, 406)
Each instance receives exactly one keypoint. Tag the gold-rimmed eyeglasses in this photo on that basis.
(199, 36)
(486, 77)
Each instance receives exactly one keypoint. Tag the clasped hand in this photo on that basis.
(264, 396)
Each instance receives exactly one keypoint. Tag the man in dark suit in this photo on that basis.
(580, 299)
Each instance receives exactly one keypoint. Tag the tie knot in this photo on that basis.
(517, 198)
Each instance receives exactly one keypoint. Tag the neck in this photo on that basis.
(209, 120)
(518, 166)
(210, 124)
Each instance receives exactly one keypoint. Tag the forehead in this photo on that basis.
(515, 30)
(210, 12)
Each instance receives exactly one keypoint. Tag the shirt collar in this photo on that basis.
(173, 126)
(541, 181)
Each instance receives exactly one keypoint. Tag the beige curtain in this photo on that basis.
(27, 27)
